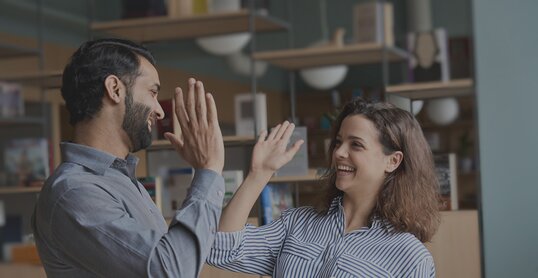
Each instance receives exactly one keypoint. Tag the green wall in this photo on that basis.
(507, 86)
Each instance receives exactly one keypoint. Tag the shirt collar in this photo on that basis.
(94, 159)
(377, 222)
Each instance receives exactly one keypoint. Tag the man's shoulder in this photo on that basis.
(68, 177)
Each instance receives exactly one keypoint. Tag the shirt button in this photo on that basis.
(220, 193)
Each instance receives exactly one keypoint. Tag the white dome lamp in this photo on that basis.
(403, 103)
(240, 64)
(224, 44)
(443, 111)
(323, 78)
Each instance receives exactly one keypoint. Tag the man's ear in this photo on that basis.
(394, 160)
(114, 88)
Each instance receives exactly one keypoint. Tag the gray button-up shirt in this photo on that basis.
(94, 219)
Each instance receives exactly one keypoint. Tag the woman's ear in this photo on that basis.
(394, 160)
(114, 88)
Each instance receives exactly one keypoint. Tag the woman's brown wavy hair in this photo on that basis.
(409, 197)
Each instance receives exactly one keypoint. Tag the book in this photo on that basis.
(27, 161)
(298, 165)
(446, 170)
(11, 100)
(178, 182)
(232, 181)
(154, 187)
(373, 23)
(274, 199)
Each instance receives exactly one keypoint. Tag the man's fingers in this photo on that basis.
(181, 113)
(201, 107)
(211, 110)
(262, 136)
(176, 141)
(191, 103)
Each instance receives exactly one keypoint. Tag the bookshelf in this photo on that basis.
(21, 120)
(429, 90)
(8, 51)
(228, 141)
(19, 189)
(49, 79)
(311, 176)
(163, 28)
(363, 53)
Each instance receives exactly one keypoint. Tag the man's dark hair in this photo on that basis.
(83, 78)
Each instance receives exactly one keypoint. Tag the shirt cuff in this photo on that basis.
(208, 184)
(228, 241)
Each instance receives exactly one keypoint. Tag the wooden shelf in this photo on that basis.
(312, 176)
(428, 90)
(162, 28)
(43, 79)
(19, 189)
(20, 120)
(228, 141)
(14, 51)
(364, 53)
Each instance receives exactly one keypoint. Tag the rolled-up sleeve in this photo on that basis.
(252, 250)
(97, 232)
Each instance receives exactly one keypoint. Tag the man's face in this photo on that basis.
(141, 107)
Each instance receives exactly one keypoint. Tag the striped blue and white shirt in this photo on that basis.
(305, 243)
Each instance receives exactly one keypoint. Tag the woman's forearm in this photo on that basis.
(235, 215)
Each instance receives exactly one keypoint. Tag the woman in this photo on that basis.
(382, 203)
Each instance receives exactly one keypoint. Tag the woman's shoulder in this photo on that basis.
(406, 243)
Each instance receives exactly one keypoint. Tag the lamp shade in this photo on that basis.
(240, 63)
(443, 111)
(323, 78)
(224, 44)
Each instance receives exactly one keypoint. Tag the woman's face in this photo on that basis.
(358, 157)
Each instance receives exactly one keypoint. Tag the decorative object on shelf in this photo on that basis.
(232, 180)
(445, 167)
(245, 115)
(27, 161)
(240, 64)
(143, 8)
(414, 106)
(177, 8)
(443, 111)
(298, 166)
(176, 186)
(464, 153)
(373, 22)
(323, 78)
(154, 187)
(326, 77)
(429, 56)
(2, 214)
(11, 100)
(461, 57)
(274, 199)
(224, 44)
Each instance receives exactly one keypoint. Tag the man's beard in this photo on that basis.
(135, 123)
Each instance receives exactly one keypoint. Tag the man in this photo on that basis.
(93, 218)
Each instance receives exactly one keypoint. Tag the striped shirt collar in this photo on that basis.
(94, 159)
(377, 222)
